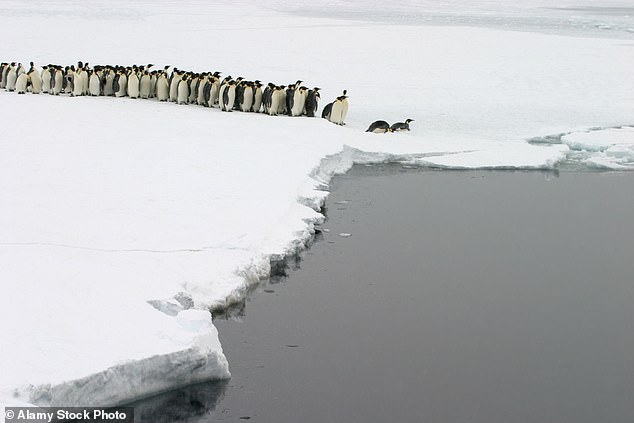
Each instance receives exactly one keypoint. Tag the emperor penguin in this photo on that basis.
(229, 96)
(339, 109)
(202, 96)
(21, 83)
(290, 96)
(12, 77)
(3, 76)
(57, 81)
(120, 83)
(266, 97)
(379, 127)
(35, 79)
(183, 90)
(312, 98)
(278, 101)
(257, 96)
(153, 78)
(94, 84)
(145, 85)
(78, 83)
(299, 101)
(174, 80)
(246, 102)
(221, 92)
(401, 126)
(108, 85)
(327, 111)
(45, 76)
(134, 83)
(194, 83)
(69, 79)
(162, 87)
(214, 90)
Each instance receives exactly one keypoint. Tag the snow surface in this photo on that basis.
(114, 209)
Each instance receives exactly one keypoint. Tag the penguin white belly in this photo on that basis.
(94, 85)
(299, 99)
(36, 82)
(344, 111)
(336, 112)
(145, 86)
(133, 86)
(275, 103)
(45, 76)
(183, 92)
(84, 83)
(78, 89)
(231, 98)
(221, 94)
(193, 91)
(21, 83)
(247, 100)
(162, 89)
(12, 78)
(174, 88)
(123, 85)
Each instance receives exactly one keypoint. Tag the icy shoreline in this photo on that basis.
(119, 215)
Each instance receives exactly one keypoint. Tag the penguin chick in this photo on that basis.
(379, 127)
(401, 126)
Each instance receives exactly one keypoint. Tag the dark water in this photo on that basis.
(459, 297)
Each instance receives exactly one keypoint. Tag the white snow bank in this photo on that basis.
(108, 204)
(610, 148)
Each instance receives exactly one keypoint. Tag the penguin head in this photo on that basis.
(409, 120)
(345, 92)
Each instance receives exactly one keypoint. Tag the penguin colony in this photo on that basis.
(178, 86)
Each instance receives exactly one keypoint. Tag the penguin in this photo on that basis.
(94, 84)
(57, 79)
(247, 97)
(3, 75)
(35, 79)
(21, 83)
(278, 101)
(202, 97)
(173, 81)
(12, 77)
(229, 96)
(290, 97)
(134, 88)
(327, 111)
(108, 85)
(69, 79)
(401, 126)
(153, 78)
(45, 76)
(257, 96)
(339, 109)
(194, 83)
(183, 90)
(312, 98)
(145, 85)
(221, 92)
(214, 90)
(379, 127)
(266, 97)
(120, 83)
(299, 101)
(78, 83)
(162, 87)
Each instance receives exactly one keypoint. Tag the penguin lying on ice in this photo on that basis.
(379, 127)
(401, 126)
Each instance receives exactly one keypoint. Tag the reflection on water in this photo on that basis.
(193, 403)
